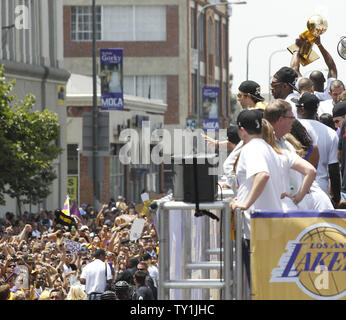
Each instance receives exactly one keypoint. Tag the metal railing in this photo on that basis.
(229, 267)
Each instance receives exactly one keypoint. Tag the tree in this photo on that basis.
(28, 147)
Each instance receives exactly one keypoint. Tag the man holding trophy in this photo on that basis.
(304, 55)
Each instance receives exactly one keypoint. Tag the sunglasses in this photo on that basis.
(12, 266)
(336, 121)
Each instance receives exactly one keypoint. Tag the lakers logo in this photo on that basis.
(316, 262)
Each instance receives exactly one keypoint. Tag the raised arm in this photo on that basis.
(332, 70)
(295, 64)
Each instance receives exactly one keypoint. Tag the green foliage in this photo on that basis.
(27, 147)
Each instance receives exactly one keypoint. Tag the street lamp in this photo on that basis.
(95, 107)
(280, 35)
(198, 53)
(270, 72)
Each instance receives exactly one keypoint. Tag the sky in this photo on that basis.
(267, 17)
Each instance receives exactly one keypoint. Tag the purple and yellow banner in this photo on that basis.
(298, 255)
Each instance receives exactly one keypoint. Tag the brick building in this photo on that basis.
(158, 38)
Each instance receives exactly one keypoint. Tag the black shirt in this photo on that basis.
(342, 148)
(143, 293)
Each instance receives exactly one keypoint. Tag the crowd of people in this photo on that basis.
(95, 257)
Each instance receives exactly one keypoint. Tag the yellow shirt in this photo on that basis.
(261, 105)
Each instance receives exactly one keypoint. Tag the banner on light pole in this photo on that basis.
(112, 97)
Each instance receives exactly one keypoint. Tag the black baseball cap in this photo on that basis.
(339, 109)
(252, 88)
(287, 75)
(250, 119)
(308, 101)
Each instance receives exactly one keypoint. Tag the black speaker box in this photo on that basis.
(183, 178)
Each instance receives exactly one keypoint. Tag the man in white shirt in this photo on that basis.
(337, 87)
(283, 86)
(326, 140)
(96, 275)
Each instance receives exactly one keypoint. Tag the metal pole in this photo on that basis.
(198, 72)
(95, 109)
(248, 46)
(228, 255)
(162, 278)
(239, 255)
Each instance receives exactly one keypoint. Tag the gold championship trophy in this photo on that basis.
(317, 25)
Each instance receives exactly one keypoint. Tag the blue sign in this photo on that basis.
(112, 97)
(211, 124)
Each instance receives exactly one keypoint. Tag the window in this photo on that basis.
(150, 23)
(201, 33)
(81, 23)
(217, 43)
(117, 173)
(150, 87)
(225, 44)
(72, 159)
(119, 23)
(210, 37)
(224, 99)
(192, 27)
(194, 93)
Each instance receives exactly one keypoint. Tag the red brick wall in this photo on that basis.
(172, 113)
(168, 48)
(86, 185)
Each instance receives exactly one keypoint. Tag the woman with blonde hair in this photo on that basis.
(76, 293)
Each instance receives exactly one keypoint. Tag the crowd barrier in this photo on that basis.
(295, 255)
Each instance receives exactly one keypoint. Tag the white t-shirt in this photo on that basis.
(326, 140)
(154, 274)
(325, 106)
(289, 98)
(257, 156)
(36, 233)
(292, 180)
(94, 274)
(316, 199)
(325, 94)
(228, 165)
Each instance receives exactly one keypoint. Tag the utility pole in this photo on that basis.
(95, 111)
